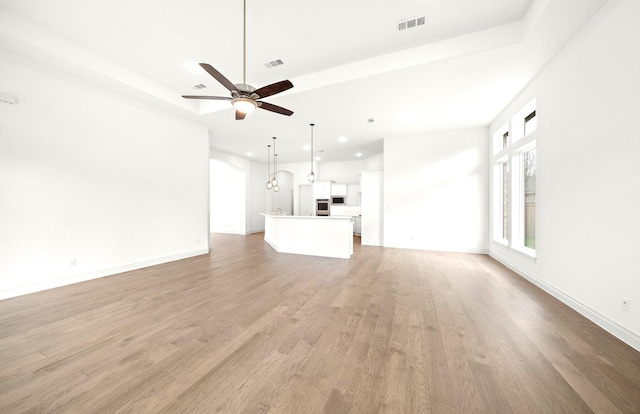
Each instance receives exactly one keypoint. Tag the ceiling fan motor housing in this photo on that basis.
(244, 90)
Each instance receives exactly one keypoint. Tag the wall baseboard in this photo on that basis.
(24, 290)
(602, 321)
(241, 233)
(471, 250)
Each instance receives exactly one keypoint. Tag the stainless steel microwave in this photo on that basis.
(338, 200)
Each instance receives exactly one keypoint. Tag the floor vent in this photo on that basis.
(274, 63)
(411, 23)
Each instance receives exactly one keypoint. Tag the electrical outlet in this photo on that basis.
(72, 262)
(625, 304)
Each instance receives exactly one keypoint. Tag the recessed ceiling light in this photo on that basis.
(249, 154)
(342, 139)
(193, 67)
(358, 154)
(306, 147)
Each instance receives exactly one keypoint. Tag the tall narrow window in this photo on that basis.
(513, 184)
(505, 200)
(529, 164)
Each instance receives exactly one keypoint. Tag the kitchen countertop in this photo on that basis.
(305, 217)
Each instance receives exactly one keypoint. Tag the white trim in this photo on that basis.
(50, 284)
(470, 250)
(602, 321)
(523, 252)
(238, 232)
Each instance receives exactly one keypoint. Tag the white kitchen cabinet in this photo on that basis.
(353, 195)
(338, 189)
(322, 190)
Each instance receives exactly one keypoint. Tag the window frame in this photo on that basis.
(517, 241)
(520, 140)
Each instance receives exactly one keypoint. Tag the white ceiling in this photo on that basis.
(345, 58)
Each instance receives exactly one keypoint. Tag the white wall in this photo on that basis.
(340, 172)
(257, 202)
(372, 224)
(300, 170)
(348, 172)
(436, 191)
(91, 177)
(255, 192)
(282, 200)
(588, 185)
(228, 204)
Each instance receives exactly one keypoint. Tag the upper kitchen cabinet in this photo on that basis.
(338, 189)
(322, 190)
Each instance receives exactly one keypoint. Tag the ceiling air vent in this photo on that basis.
(8, 99)
(411, 23)
(199, 86)
(274, 63)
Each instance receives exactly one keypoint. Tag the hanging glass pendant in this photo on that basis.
(274, 180)
(311, 177)
(268, 185)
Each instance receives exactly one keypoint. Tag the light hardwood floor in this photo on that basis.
(247, 330)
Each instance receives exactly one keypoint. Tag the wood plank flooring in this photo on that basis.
(247, 330)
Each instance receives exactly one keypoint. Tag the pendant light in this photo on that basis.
(274, 180)
(276, 187)
(311, 177)
(268, 185)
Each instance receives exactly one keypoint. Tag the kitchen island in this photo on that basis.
(329, 236)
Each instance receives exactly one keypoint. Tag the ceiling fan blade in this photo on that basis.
(273, 89)
(274, 108)
(240, 115)
(215, 98)
(218, 76)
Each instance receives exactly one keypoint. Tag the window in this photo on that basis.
(501, 139)
(529, 161)
(530, 123)
(505, 200)
(514, 182)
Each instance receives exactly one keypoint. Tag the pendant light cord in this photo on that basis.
(312, 146)
(244, 42)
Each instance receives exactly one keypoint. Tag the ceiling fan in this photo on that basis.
(244, 97)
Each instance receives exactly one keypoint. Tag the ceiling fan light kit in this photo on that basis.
(244, 97)
(244, 105)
